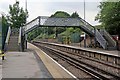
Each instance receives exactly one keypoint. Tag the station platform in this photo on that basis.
(111, 52)
(34, 63)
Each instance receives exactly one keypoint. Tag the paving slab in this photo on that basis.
(23, 65)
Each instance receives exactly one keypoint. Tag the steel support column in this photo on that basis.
(25, 41)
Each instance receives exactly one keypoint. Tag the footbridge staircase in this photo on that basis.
(14, 40)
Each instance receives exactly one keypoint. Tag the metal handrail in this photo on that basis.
(20, 35)
(101, 39)
(8, 35)
(31, 23)
(107, 35)
(90, 27)
(20, 39)
(38, 21)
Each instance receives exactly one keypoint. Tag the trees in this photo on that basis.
(109, 16)
(75, 15)
(17, 16)
(63, 15)
(60, 14)
(4, 30)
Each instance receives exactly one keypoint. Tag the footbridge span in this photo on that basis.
(101, 36)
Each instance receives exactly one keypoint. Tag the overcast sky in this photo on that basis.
(49, 7)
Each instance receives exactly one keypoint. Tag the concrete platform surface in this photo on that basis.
(23, 65)
(56, 70)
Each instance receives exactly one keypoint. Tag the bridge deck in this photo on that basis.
(33, 63)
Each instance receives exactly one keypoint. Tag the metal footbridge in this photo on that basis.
(101, 36)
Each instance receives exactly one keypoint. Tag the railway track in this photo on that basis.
(95, 72)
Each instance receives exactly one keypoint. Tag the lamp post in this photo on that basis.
(25, 27)
(84, 9)
(84, 33)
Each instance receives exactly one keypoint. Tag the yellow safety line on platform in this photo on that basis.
(1, 54)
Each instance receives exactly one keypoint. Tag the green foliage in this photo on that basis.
(109, 16)
(60, 14)
(75, 15)
(52, 36)
(4, 21)
(50, 30)
(65, 15)
(99, 27)
(70, 31)
(17, 16)
(33, 34)
(59, 29)
(71, 34)
(4, 30)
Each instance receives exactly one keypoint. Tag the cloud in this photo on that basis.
(91, 9)
(49, 7)
(4, 5)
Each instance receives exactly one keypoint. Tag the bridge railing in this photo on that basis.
(31, 24)
(20, 39)
(42, 20)
(109, 38)
(97, 34)
(55, 21)
(101, 39)
(7, 38)
(86, 24)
